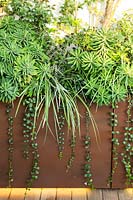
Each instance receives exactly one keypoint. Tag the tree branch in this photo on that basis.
(111, 6)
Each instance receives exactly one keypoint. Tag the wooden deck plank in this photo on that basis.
(79, 194)
(94, 195)
(17, 194)
(4, 193)
(126, 194)
(34, 194)
(64, 194)
(110, 195)
(48, 194)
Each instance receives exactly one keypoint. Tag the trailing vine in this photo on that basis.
(26, 136)
(115, 142)
(35, 165)
(10, 142)
(72, 157)
(28, 125)
(30, 139)
(128, 147)
(61, 133)
(87, 166)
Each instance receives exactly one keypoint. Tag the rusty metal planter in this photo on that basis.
(52, 170)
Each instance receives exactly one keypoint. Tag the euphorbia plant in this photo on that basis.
(27, 70)
(99, 59)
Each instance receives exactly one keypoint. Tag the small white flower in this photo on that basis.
(85, 183)
(16, 17)
(61, 34)
(69, 48)
(10, 8)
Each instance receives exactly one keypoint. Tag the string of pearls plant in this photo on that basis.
(30, 139)
(88, 159)
(87, 166)
(128, 144)
(10, 143)
(72, 157)
(115, 142)
(60, 136)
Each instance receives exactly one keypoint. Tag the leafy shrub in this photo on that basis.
(26, 69)
(36, 12)
(100, 63)
(3, 3)
(95, 64)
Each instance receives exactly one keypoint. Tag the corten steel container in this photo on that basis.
(52, 170)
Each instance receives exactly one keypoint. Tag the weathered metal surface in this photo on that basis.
(52, 170)
(119, 177)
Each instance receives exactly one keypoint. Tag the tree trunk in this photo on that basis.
(111, 6)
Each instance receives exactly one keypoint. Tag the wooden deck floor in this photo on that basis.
(66, 194)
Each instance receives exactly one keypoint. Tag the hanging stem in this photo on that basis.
(87, 166)
(60, 133)
(115, 144)
(128, 141)
(30, 103)
(72, 157)
(10, 148)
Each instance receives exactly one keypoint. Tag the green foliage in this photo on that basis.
(88, 2)
(30, 139)
(14, 56)
(8, 91)
(61, 134)
(75, 59)
(115, 141)
(103, 63)
(72, 156)
(36, 12)
(10, 145)
(95, 64)
(68, 19)
(3, 3)
(87, 166)
(26, 69)
(127, 142)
